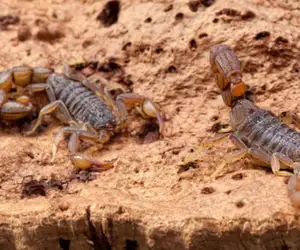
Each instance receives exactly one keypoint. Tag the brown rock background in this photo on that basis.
(159, 48)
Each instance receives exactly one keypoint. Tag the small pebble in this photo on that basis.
(64, 206)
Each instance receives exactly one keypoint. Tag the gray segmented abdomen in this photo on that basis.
(263, 130)
(83, 104)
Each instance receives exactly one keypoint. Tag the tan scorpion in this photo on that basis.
(257, 133)
(90, 112)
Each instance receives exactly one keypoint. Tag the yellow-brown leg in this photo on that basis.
(82, 161)
(3, 97)
(50, 108)
(290, 117)
(217, 139)
(145, 107)
(276, 160)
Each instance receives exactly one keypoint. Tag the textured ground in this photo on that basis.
(160, 49)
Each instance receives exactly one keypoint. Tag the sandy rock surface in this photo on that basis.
(159, 49)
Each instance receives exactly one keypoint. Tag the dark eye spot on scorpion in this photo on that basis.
(110, 14)
(208, 190)
(148, 133)
(187, 166)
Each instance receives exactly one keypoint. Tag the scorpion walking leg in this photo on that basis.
(232, 157)
(207, 143)
(290, 117)
(147, 108)
(244, 151)
(50, 108)
(3, 97)
(81, 161)
(294, 186)
(278, 158)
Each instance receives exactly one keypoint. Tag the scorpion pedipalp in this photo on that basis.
(145, 107)
(83, 161)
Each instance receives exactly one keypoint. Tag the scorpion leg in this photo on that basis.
(278, 158)
(294, 186)
(147, 108)
(206, 143)
(50, 108)
(263, 158)
(5, 85)
(232, 157)
(241, 153)
(290, 117)
(38, 87)
(81, 161)
(3, 97)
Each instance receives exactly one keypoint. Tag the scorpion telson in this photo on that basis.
(257, 133)
(88, 109)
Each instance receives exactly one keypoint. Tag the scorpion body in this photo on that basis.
(259, 128)
(88, 108)
(83, 104)
(257, 133)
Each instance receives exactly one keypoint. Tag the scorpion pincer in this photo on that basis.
(257, 133)
(91, 113)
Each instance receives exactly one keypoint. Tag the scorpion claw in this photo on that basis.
(150, 109)
(83, 162)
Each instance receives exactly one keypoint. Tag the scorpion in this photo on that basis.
(257, 133)
(86, 107)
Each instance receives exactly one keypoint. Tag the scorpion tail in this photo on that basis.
(226, 66)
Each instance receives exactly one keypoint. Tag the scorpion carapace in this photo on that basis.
(90, 112)
(257, 133)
